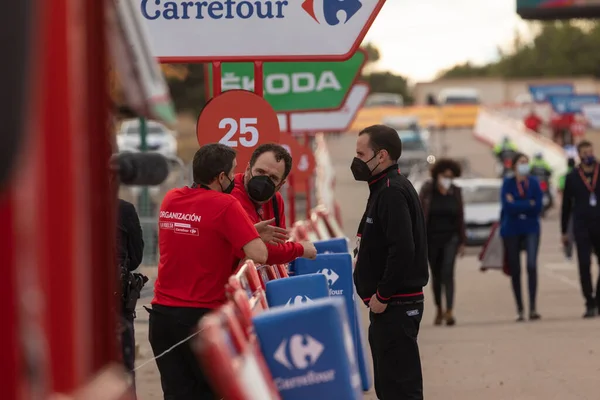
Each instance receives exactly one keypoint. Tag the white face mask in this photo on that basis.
(445, 183)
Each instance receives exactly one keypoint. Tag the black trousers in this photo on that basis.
(442, 259)
(586, 240)
(181, 375)
(396, 360)
(128, 341)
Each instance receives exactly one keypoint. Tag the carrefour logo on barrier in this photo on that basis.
(328, 11)
(294, 301)
(300, 353)
(332, 278)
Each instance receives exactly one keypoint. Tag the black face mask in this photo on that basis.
(229, 187)
(261, 188)
(360, 169)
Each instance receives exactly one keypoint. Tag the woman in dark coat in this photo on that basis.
(444, 213)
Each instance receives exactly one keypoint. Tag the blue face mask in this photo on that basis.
(523, 169)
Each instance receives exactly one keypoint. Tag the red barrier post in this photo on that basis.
(258, 78)
(217, 84)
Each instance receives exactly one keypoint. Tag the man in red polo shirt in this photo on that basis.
(201, 229)
(532, 121)
(258, 191)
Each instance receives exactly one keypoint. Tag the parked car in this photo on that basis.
(416, 153)
(459, 96)
(384, 99)
(159, 138)
(481, 198)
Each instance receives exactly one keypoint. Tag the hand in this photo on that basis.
(564, 239)
(271, 234)
(310, 251)
(376, 306)
(509, 198)
(461, 250)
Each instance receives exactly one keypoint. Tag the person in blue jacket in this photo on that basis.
(521, 198)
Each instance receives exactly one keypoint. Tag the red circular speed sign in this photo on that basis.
(239, 119)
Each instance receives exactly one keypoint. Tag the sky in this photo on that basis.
(419, 38)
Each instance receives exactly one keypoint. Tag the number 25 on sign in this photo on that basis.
(239, 119)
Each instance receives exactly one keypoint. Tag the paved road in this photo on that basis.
(487, 355)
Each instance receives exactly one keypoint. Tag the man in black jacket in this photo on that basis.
(130, 249)
(391, 267)
(580, 202)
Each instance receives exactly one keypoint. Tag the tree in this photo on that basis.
(383, 82)
(557, 49)
(188, 94)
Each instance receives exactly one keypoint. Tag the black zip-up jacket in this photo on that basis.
(130, 242)
(392, 254)
(576, 202)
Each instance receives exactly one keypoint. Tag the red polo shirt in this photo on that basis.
(200, 233)
(278, 253)
(533, 122)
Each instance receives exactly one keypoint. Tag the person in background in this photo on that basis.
(533, 121)
(568, 246)
(444, 214)
(201, 229)
(540, 167)
(391, 267)
(130, 248)
(505, 146)
(580, 202)
(521, 198)
(257, 190)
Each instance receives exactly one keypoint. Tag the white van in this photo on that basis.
(453, 96)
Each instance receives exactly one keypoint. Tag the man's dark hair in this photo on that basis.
(571, 162)
(382, 137)
(582, 144)
(444, 164)
(280, 154)
(210, 161)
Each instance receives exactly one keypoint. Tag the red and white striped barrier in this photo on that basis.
(231, 357)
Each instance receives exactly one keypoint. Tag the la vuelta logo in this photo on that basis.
(328, 10)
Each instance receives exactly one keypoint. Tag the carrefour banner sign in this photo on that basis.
(573, 103)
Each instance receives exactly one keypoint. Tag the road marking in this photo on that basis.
(560, 266)
(562, 278)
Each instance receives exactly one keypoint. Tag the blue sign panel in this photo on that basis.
(540, 93)
(572, 104)
(337, 245)
(337, 268)
(296, 290)
(309, 350)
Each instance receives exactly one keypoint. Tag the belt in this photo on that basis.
(404, 302)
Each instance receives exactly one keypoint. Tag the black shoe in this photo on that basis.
(520, 317)
(590, 312)
(534, 316)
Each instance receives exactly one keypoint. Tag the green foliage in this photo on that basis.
(189, 94)
(384, 82)
(558, 49)
(373, 54)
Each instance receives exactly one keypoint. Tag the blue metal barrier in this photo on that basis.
(309, 351)
(337, 268)
(337, 245)
(296, 290)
